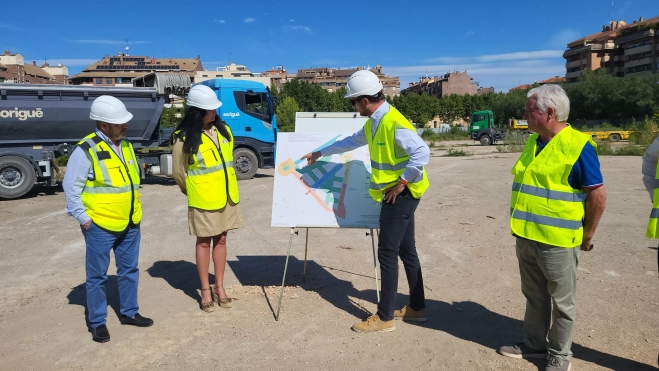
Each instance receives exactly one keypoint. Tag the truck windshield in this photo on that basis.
(476, 118)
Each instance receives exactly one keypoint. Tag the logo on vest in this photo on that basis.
(381, 144)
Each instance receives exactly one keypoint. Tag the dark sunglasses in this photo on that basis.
(354, 101)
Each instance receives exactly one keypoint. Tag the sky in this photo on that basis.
(500, 43)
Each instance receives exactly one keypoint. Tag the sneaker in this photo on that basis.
(374, 324)
(409, 314)
(521, 350)
(555, 363)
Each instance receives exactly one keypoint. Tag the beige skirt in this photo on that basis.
(205, 223)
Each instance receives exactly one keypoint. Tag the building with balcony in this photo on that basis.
(13, 69)
(232, 71)
(625, 50)
(278, 76)
(457, 82)
(120, 70)
(332, 79)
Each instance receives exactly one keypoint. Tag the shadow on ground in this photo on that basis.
(465, 320)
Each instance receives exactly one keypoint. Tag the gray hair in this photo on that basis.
(553, 96)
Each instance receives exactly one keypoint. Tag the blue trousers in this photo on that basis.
(126, 246)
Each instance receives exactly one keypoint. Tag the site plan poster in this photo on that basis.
(331, 193)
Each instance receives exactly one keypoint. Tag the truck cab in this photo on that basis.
(249, 110)
(481, 127)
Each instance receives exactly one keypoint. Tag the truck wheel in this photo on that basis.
(614, 137)
(485, 140)
(17, 177)
(245, 163)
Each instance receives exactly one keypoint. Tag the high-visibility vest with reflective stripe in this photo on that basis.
(544, 207)
(211, 175)
(653, 223)
(111, 198)
(388, 160)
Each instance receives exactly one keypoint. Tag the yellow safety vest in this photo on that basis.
(388, 160)
(111, 198)
(653, 223)
(543, 205)
(211, 175)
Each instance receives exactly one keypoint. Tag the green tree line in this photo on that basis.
(598, 96)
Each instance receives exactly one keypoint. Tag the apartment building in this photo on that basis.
(278, 76)
(120, 70)
(551, 80)
(457, 82)
(332, 79)
(232, 71)
(13, 69)
(625, 50)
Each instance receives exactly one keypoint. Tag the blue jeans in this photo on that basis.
(126, 246)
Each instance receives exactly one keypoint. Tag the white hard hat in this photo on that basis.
(363, 82)
(203, 97)
(109, 109)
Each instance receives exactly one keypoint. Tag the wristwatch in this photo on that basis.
(403, 181)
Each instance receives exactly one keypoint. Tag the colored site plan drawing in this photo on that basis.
(332, 192)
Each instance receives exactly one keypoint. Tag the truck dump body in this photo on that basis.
(46, 115)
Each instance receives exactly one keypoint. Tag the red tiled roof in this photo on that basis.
(553, 80)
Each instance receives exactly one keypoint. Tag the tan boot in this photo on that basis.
(409, 314)
(374, 324)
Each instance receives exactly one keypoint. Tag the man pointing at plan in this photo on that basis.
(398, 156)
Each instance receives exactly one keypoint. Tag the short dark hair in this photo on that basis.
(371, 98)
(375, 98)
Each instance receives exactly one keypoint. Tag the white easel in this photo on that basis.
(304, 277)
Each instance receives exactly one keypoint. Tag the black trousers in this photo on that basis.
(397, 240)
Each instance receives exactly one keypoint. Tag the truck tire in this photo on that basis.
(17, 177)
(485, 140)
(245, 163)
(615, 137)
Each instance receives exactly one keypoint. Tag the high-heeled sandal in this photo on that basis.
(207, 307)
(222, 302)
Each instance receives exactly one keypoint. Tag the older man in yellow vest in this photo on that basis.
(398, 177)
(557, 200)
(101, 186)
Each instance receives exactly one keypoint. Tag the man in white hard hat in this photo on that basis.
(398, 156)
(101, 186)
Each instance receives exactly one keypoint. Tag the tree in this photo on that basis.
(599, 95)
(286, 111)
(168, 117)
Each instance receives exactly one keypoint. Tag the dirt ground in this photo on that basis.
(468, 259)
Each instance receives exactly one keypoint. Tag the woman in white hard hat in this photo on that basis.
(203, 169)
(398, 180)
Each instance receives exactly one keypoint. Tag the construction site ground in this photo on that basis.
(467, 253)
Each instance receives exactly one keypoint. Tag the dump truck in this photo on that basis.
(482, 129)
(39, 123)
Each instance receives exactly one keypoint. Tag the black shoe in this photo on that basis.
(138, 321)
(101, 334)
